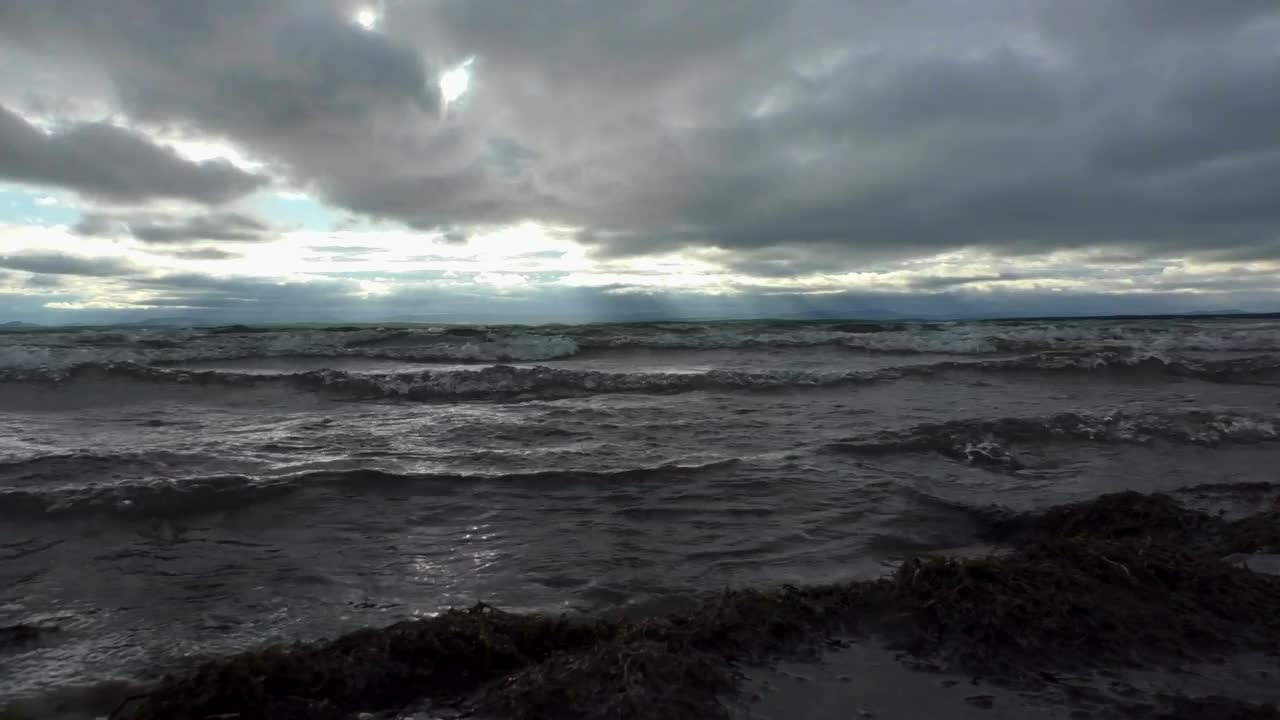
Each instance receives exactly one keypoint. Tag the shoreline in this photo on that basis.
(1123, 582)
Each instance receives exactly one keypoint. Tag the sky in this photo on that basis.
(575, 160)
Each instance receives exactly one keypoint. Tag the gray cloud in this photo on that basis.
(944, 282)
(203, 254)
(45, 281)
(106, 161)
(264, 299)
(56, 263)
(161, 229)
(798, 137)
(295, 81)
(345, 249)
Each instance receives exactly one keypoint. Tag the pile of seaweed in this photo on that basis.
(1126, 578)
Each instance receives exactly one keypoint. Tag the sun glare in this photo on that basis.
(366, 18)
(454, 83)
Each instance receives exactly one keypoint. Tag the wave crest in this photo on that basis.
(538, 382)
(497, 382)
(989, 442)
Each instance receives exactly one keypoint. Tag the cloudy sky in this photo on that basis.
(281, 160)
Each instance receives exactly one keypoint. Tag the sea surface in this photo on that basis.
(171, 494)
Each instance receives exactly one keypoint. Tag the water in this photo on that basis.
(173, 494)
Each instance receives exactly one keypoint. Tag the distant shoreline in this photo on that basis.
(145, 324)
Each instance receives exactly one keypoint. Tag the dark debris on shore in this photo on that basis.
(1123, 579)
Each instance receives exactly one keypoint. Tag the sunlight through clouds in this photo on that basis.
(455, 82)
(387, 147)
(367, 18)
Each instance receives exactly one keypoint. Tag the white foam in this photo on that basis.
(503, 381)
(509, 348)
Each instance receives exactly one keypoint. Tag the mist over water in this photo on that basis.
(170, 494)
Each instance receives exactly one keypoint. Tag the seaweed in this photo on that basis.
(1115, 516)
(1256, 533)
(622, 681)
(681, 665)
(1079, 601)
(448, 654)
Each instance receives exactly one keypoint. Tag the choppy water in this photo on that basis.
(166, 494)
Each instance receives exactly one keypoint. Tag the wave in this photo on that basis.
(497, 382)
(153, 346)
(57, 351)
(201, 495)
(144, 498)
(538, 382)
(55, 467)
(953, 338)
(1260, 369)
(990, 442)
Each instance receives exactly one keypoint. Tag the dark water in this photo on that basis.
(173, 494)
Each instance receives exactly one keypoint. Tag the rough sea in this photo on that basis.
(172, 494)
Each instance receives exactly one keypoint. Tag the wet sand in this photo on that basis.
(867, 681)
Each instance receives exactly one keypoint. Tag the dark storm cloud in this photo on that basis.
(923, 127)
(106, 161)
(819, 135)
(294, 81)
(55, 263)
(160, 229)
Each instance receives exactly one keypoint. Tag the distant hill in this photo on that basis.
(170, 322)
(1232, 311)
(15, 325)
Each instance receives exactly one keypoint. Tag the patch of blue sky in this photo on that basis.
(22, 206)
(288, 210)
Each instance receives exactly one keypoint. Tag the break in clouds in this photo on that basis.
(730, 156)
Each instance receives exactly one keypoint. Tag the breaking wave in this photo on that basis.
(991, 442)
(498, 382)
